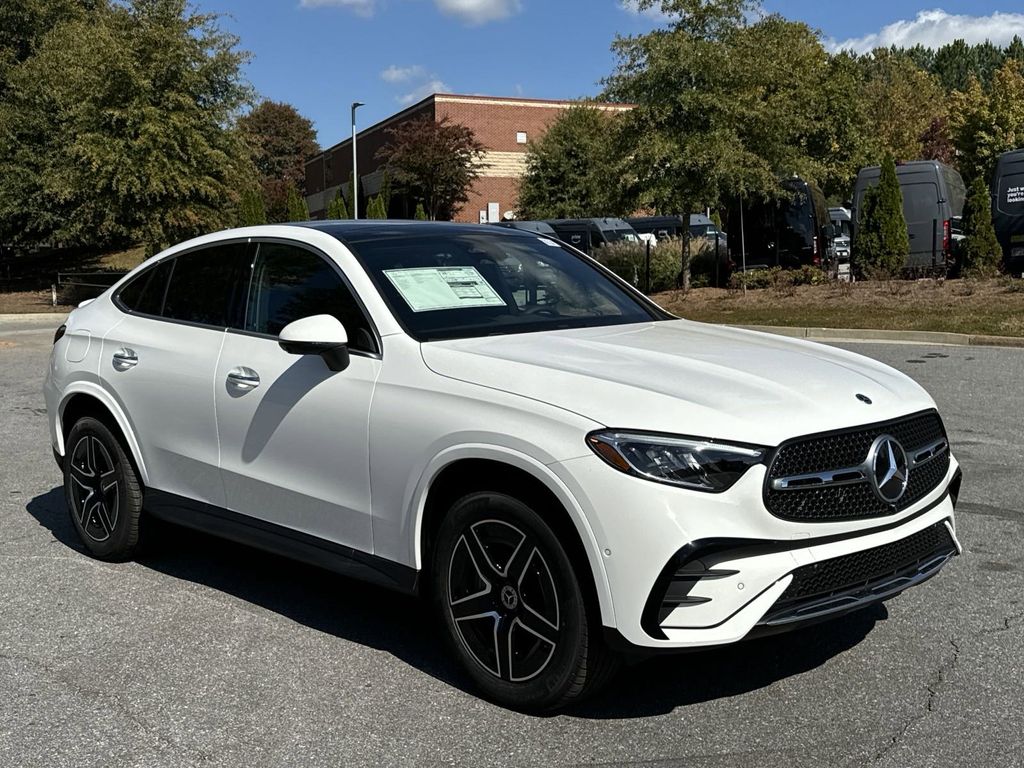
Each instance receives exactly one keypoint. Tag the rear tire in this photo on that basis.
(103, 491)
(513, 607)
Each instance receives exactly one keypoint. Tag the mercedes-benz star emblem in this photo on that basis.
(887, 462)
(509, 598)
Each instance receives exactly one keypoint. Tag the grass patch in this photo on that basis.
(991, 307)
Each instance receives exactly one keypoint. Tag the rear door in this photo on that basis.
(294, 434)
(159, 362)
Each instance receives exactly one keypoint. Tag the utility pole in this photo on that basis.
(355, 166)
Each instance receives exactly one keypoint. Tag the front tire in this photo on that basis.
(512, 605)
(103, 492)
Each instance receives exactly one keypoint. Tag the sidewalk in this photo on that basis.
(897, 337)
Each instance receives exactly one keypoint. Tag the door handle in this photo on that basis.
(243, 378)
(125, 358)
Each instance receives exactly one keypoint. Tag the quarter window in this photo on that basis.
(145, 292)
(208, 286)
(290, 283)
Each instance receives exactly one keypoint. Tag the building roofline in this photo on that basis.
(456, 98)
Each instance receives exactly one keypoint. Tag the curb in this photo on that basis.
(898, 337)
(32, 321)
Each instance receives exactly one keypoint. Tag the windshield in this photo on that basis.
(479, 284)
(621, 235)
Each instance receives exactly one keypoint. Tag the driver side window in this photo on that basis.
(289, 283)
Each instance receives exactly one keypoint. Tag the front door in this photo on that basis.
(294, 434)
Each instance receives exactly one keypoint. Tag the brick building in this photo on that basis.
(502, 125)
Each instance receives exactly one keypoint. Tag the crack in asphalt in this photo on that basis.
(934, 687)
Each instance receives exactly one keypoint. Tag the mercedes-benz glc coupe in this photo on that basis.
(488, 418)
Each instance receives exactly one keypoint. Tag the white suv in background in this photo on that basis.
(489, 418)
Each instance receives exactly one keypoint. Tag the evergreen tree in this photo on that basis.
(337, 209)
(421, 214)
(882, 241)
(981, 250)
(297, 210)
(375, 208)
(251, 209)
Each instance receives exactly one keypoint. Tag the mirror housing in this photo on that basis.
(322, 335)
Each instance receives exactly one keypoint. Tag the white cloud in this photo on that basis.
(361, 7)
(431, 86)
(396, 74)
(653, 12)
(479, 11)
(936, 28)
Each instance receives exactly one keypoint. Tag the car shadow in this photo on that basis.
(403, 626)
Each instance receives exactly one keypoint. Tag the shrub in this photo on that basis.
(337, 209)
(980, 250)
(882, 239)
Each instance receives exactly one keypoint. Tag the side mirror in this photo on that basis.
(322, 335)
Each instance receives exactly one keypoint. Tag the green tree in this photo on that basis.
(26, 22)
(434, 160)
(981, 250)
(280, 140)
(297, 209)
(251, 208)
(117, 130)
(421, 214)
(375, 208)
(337, 209)
(1015, 50)
(575, 169)
(882, 244)
(986, 123)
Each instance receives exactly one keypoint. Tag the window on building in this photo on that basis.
(520, 137)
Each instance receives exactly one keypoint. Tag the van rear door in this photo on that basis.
(922, 211)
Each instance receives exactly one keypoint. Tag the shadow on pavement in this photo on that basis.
(403, 626)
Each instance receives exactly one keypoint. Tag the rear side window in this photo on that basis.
(145, 292)
(289, 283)
(207, 286)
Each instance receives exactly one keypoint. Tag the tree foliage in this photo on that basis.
(981, 250)
(337, 209)
(986, 123)
(116, 129)
(297, 209)
(882, 243)
(420, 214)
(436, 161)
(251, 208)
(280, 141)
(575, 169)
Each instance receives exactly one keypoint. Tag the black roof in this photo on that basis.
(349, 231)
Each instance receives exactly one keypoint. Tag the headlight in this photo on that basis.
(702, 465)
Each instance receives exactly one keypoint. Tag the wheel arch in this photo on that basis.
(85, 399)
(458, 472)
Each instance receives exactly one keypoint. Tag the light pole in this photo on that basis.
(355, 167)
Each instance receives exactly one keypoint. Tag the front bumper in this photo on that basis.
(688, 569)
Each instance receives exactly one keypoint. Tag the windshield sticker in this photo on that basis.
(426, 289)
(547, 241)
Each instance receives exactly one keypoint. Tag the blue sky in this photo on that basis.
(320, 55)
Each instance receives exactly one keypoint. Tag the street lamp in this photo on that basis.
(355, 168)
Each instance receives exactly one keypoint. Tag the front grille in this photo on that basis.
(861, 570)
(849, 448)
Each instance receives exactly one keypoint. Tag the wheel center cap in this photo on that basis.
(509, 598)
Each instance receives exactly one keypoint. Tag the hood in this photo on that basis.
(686, 378)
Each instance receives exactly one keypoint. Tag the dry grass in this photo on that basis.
(28, 302)
(992, 307)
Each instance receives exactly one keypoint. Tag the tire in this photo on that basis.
(513, 608)
(103, 492)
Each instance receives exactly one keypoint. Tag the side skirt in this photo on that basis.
(271, 537)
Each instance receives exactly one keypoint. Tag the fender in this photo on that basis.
(526, 463)
(107, 400)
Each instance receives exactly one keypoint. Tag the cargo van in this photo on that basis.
(790, 232)
(590, 234)
(1008, 209)
(672, 226)
(839, 247)
(933, 205)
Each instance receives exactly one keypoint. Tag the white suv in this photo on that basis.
(487, 417)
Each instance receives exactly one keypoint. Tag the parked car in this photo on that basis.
(790, 232)
(705, 236)
(839, 242)
(1008, 209)
(565, 470)
(590, 234)
(933, 205)
(540, 227)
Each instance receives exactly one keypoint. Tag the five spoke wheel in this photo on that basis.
(503, 600)
(94, 492)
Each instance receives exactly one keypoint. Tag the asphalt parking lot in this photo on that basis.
(207, 653)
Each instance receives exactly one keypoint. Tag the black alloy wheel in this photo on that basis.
(103, 492)
(513, 606)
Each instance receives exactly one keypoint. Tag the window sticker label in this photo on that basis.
(426, 289)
